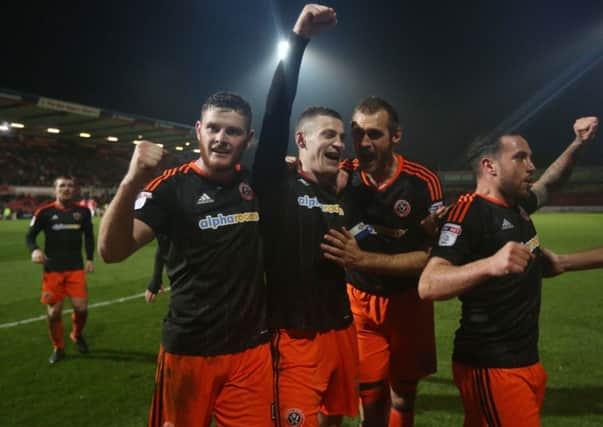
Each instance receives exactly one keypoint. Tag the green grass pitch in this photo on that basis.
(113, 384)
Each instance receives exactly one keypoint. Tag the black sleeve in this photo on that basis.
(457, 241)
(269, 163)
(35, 226)
(156, 279)
(152, 207)
(88, 235)
(530, 204)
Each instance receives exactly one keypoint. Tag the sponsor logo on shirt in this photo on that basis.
(533, 243)
(220, 220)
(312, 202)
(142, 199)
(246, 191)
(506, 225)
(204, 199)
(58, 227)
(402, 208)
(450, 232)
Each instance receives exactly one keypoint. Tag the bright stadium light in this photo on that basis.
(85, 135)
(282, 49)
(179, 148)
(196, 150)
(187, 143)
(139, 137)
(53, 130)
(112, 139)
(161, 145)
(4, 127)
(17, 125)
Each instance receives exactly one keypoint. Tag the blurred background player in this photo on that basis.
(63, 224)
(489, 255)
(215, 353)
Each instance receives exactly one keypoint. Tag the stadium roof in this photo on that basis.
(38, 116)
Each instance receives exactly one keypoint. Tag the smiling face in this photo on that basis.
(320, 141)
(223, 136)
(373, 141)
(64, 188)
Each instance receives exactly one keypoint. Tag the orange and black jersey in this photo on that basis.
(304, 289)
(388, 219)
(499, 323)
(214, 262)
(63, 228)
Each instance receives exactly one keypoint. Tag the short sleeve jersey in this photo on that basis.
(499, 322)
(387, 219)
(305, 290)
(217, 298)
(63, 228)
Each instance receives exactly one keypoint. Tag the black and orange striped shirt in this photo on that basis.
(499, 323)
(214, 262)
(393, 212)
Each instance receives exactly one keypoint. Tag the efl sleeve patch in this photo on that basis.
(142, 199)
(33, 221)
(450, 232)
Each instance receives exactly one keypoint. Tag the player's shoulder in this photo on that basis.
(465, 208)
(46, 207)
(169, 176)
(424, 177)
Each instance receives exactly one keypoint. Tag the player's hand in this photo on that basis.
(144, 163)
(149, 296)
(431, 223)
(551, 263)
(314, 19)
(585, 128)
(512, 258)
(340, 246)
(38, 256)
(89, 266)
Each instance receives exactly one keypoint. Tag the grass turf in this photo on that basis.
(113, 384)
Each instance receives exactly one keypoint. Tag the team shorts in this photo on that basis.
(496, 397)
(235, 388)
(396, 342)
(315, 372)
(56, 285)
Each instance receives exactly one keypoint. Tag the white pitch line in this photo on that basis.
(97, 304)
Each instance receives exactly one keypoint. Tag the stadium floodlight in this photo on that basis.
(136, 141)
(282, 49)
(85, 135)
(161, 145)
(139, 137)
(187, 143)
(196, 150)
(17, 125)
(179, 148)
(112, 139)
(53, 130)
(4, 127)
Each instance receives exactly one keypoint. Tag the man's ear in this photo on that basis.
(489, 167)
(249, 138)
(397, 136)
(300, 140)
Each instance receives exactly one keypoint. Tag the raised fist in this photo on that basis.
(585, 128)
(144, 162)
(511, 258)
(314, 19)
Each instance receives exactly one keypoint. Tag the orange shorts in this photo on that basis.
(315, 372)
(235, 388)
(396, 342)
(56, 285)
(501, 397)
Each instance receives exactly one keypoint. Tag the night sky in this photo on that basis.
(453, 70)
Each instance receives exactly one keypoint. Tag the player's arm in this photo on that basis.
(120, 234)
(37, 224)
(88, 241)
(341, 247)
(558, 173)
(555, 264)
(442, 280)
(268, 164)
(155, 285)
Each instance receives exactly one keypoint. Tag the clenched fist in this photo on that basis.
(511, 258)
(314, 19)
(144, 163)
(585, 128)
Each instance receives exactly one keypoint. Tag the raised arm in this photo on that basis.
(269, 163)
(120, 234)
(558, 173)
(575, 261)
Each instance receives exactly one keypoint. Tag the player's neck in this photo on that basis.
(493, 192)
(384, 174)
(328, 181)
(64, 203)
(217, 175)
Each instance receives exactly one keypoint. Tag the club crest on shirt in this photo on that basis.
(402, 208)
(450, 232)
(142, 199)
(246, 191)
(77, 216)
(295, 417)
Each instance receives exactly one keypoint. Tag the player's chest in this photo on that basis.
(508, 225)
(63, 222)
(310, 204)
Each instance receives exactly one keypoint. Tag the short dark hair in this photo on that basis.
(484, 146)
(65, 177)
(229, 101)
(315, 111)
(374, 104)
